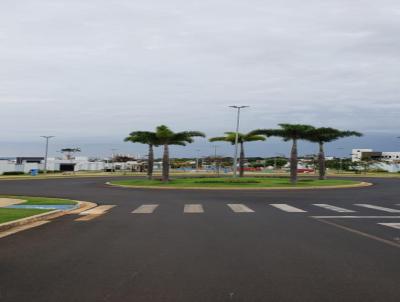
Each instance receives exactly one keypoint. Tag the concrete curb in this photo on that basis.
(359, 185)
(82, 206)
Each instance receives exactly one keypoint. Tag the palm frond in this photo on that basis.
(218, 139)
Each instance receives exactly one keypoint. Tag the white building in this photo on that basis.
(370, 154)
(53, 164)
(387, 161)
(73, 165)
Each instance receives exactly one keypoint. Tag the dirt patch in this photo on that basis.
(5, 202)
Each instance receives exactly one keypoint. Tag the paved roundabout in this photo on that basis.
(197, 245)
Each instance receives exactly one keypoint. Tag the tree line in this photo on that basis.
(164, 136)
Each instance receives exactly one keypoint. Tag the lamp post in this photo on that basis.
(215, 160)
(47, 138)
(112, 159)
(197, 159)
(236, 137)
(340, 161)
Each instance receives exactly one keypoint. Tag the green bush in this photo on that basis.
(377, 171)
(13, 173)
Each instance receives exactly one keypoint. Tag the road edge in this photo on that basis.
(81, 206)
(359, 185)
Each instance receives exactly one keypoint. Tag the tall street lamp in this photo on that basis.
(236, 138)
(340, 161)
(216, 160)
(197, 159)
(47, 138)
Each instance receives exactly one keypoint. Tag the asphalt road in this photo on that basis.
(219, 255)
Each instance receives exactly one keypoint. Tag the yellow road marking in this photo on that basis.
(88, 217)
(97, 210)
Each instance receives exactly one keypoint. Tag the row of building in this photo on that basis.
(387, 161)
(74, 164)
(377, 160)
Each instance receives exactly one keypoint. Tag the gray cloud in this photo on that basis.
(99, 68)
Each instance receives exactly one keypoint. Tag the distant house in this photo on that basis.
(386, 161)
(370, 154)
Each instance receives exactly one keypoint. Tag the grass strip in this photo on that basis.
(7, 215)
(248, 182)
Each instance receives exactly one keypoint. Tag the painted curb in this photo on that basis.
(359, 185)
(82, 206)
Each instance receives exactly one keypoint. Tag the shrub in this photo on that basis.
(13, 173)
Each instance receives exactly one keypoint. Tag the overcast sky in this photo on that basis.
(91, 71)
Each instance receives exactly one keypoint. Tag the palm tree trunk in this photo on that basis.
(165, 164)
(321, 162)
(150, 162)
(293, 163)
(241, 160)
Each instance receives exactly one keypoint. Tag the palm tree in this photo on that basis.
(166, 137)
(293, 132)
(230, 137)
(148, 138)
(325, 135)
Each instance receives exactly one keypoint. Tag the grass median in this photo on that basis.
(247, 182)
(7, 215)
(10, 214)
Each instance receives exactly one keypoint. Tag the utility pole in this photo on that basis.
(112, 159)
(197, 159)
(340, 161)
(236, 138)
(215, 160)
(47, 138)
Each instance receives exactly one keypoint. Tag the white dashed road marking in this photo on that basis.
(287, 208)
(333, 208)
(392, 225)
(193, 208)
(94, 213)
(145, 209)
(97, 210)
(370, 206)
(239, 208)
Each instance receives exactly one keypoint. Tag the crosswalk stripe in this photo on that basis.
(333, 208)
(193, 208)
(88, 217)
(391, 225)
(370, 206)
(287, 208)
(239, 208)
(97, 210)
(94, 213)
(145, 209)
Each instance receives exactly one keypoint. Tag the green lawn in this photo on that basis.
(7, 214)
(14, 214)
(42, 200)
(248, 182)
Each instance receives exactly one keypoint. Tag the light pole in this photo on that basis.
(112, 159)
(197, 159)
(47, 138)
(215, 160)
(236, 137)
(340, 161)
